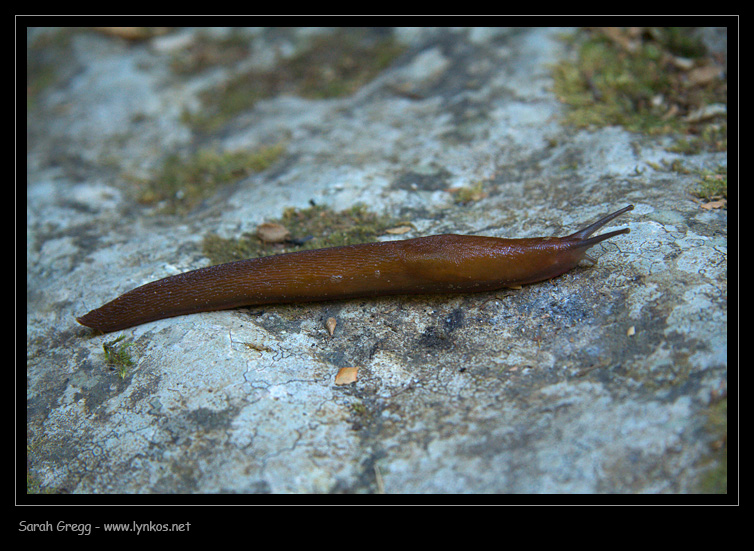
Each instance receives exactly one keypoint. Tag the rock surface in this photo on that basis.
(607, 379)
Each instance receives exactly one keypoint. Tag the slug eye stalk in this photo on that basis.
(582, 235)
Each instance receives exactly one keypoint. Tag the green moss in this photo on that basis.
(118, 356)
(183, 182)
(339, 64)
(220, 250)
(207, 51)
(44, 56)
(715, 480)
(469, 194)
(311, 228)
(712, 184)
(330, 66)
(34, 486)
(363, 414)
(635, 79)
(329, 229)
(359, 408)
(680, 41)
(712, 137)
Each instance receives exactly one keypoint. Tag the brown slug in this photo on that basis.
(436, 264)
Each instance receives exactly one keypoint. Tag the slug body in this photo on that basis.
(436, 264)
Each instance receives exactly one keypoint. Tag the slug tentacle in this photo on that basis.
(589, 230)
(581, 240)
(586, 243)
(434, 264)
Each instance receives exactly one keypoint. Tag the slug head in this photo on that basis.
(582, 241)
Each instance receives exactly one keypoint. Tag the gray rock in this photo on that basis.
(604, 380)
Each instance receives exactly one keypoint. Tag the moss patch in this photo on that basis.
(650, 80)
(469, 194)
(44, 58)
(715, 480)
(331, 66)
(311, 228)
(182, 182)
(712, 184)
(207, 51)
(118, 355)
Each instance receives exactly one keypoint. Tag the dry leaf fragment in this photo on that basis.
(683, 63)
(346, 375)
(704, 75)
(272, 233)
(133, 33)
(624, 38)
(399, 230)
(715, 204)
(707, 112)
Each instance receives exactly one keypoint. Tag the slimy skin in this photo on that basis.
(425, 265)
